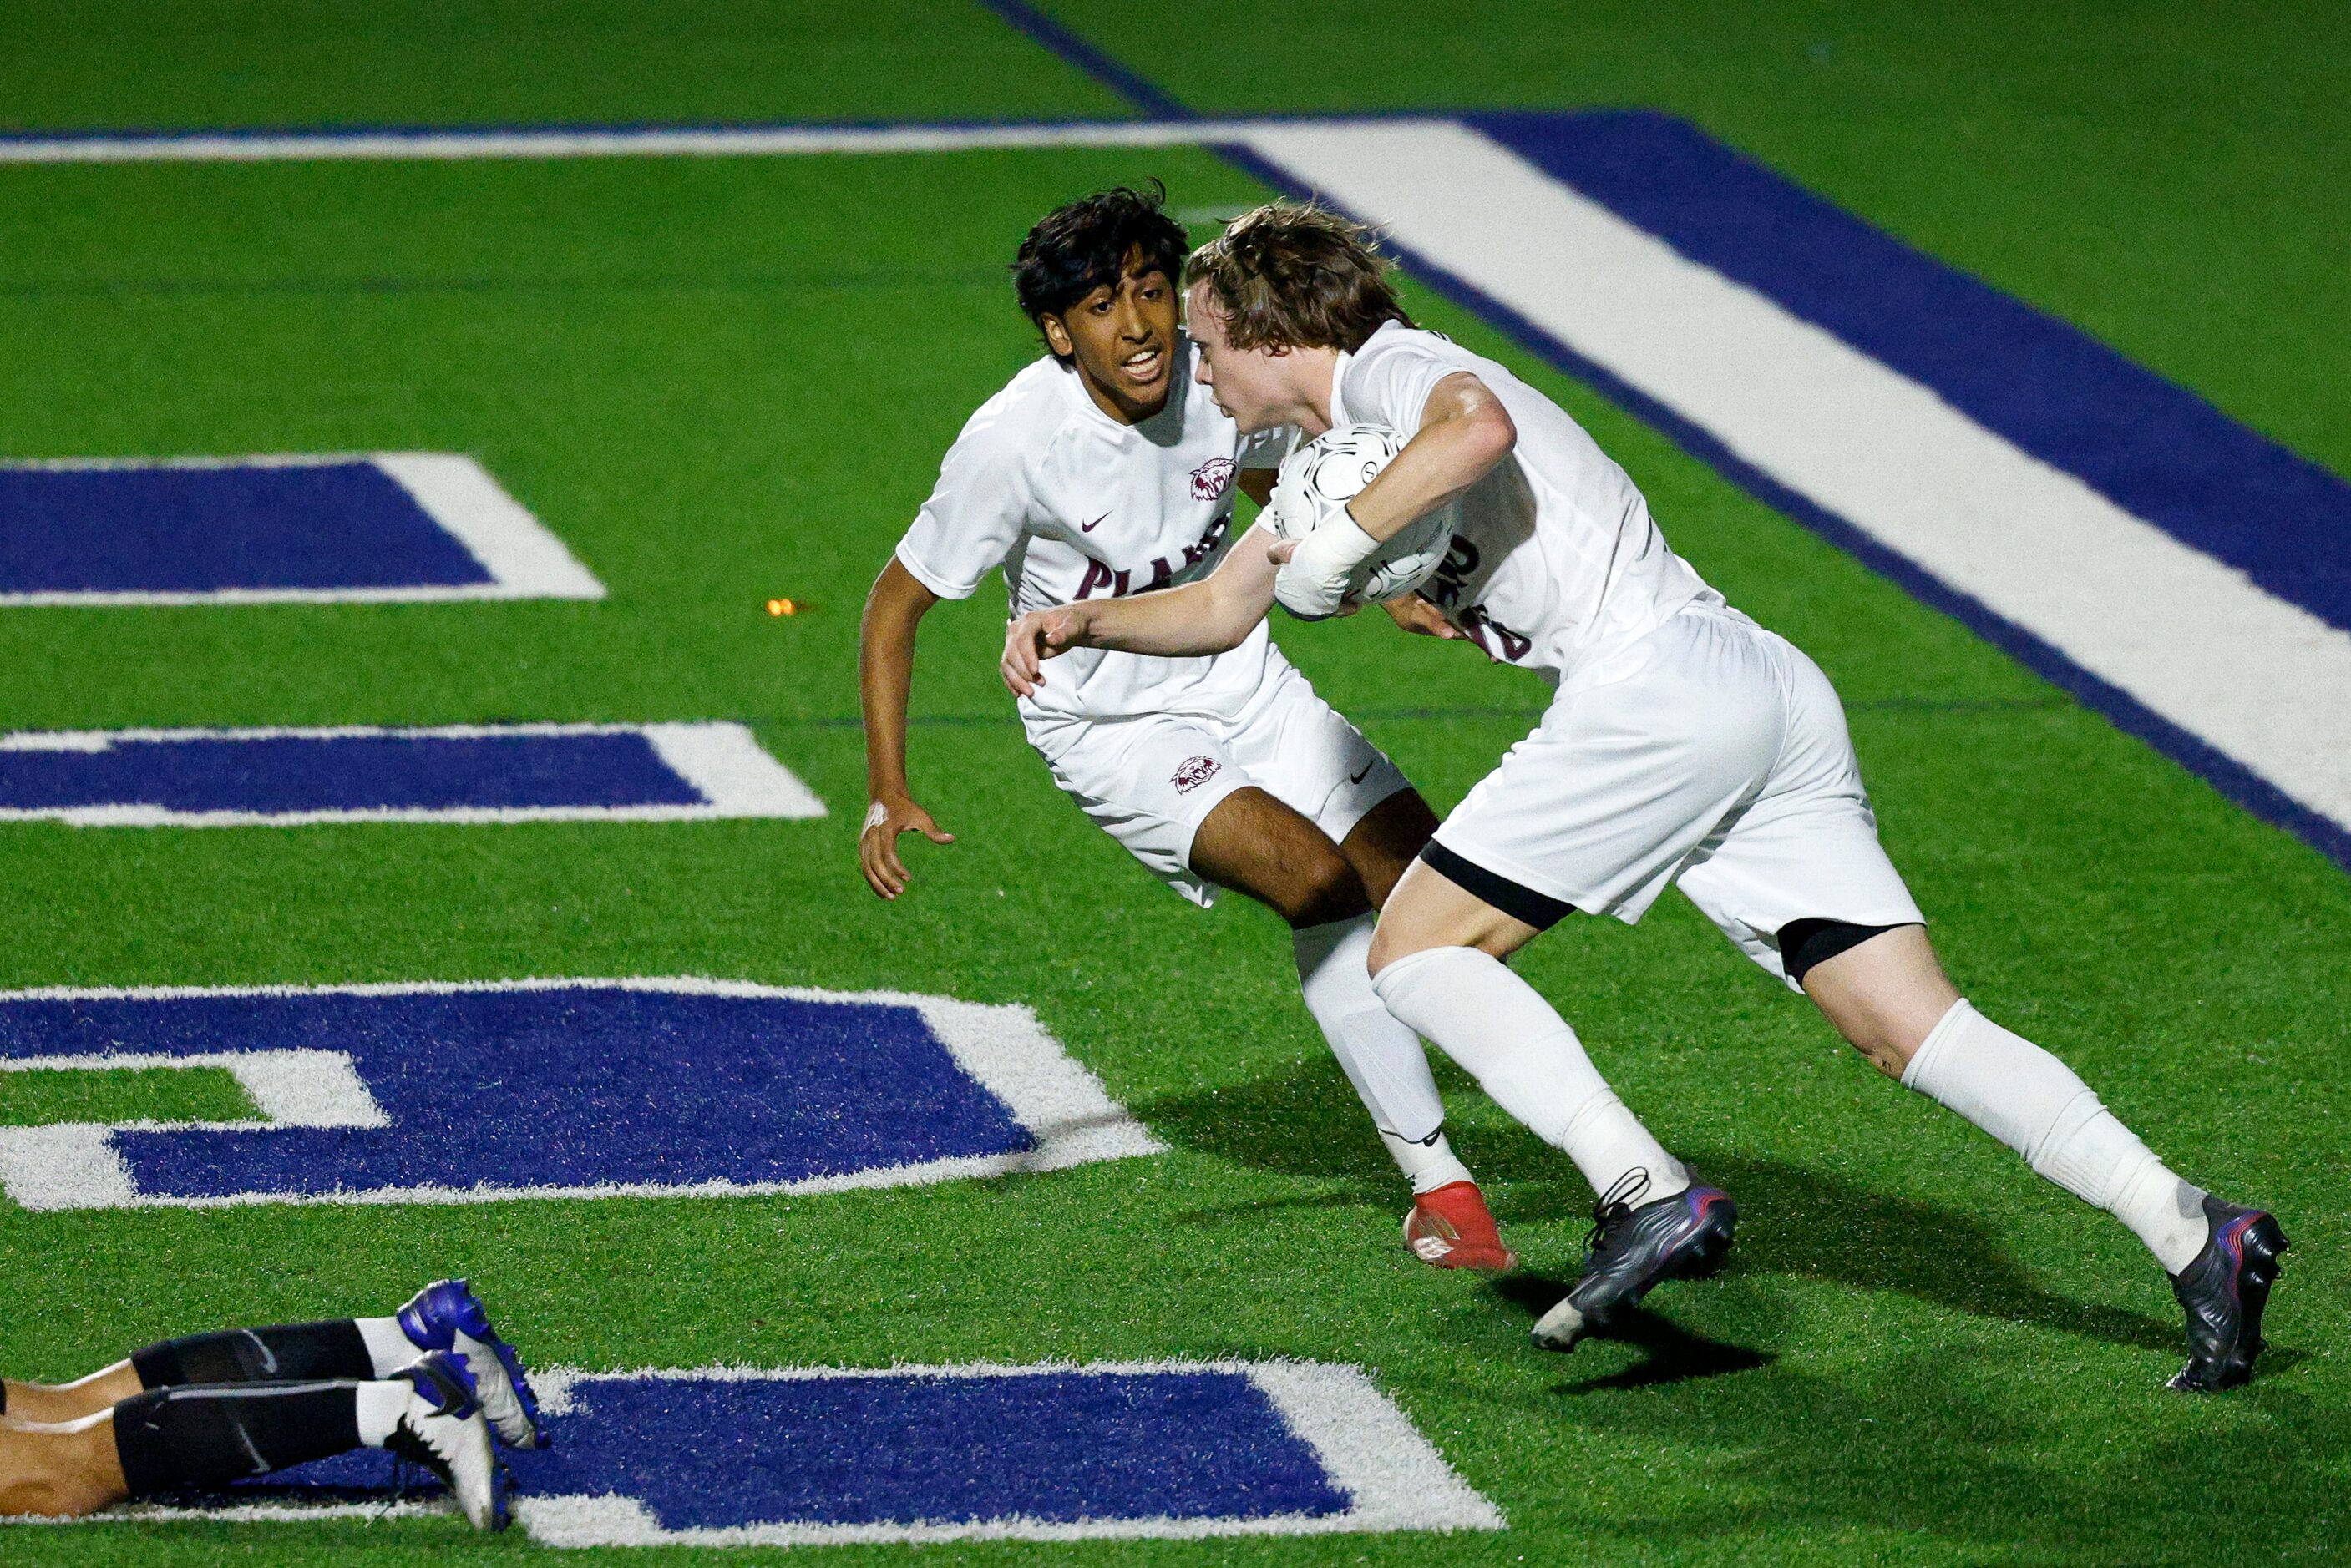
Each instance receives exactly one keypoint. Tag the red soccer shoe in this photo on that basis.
(1452, 1229)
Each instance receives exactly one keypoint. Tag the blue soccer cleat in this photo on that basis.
(444, 1430)
(1631, 1249)
(2224, 1289)
(446, 1316)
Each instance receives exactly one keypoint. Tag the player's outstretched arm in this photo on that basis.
(1203, 617)
(886, 674)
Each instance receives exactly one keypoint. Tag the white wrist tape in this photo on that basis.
(1314, 582)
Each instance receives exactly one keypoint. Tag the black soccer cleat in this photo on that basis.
(2224, 1291)
(1631, 1248)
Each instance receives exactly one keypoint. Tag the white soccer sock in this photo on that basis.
(381, 1405)
(1524, 1054)
(1427, 1165)
(2037, 1106)
(387, 1345)
(1382, 1058)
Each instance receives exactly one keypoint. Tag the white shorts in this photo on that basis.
(1149, 780)
(1712, 754)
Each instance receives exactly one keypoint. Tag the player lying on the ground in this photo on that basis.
(1684, 744)
(433, 1383)
(1104, 470)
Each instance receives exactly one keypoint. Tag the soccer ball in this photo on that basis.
(1326, 473)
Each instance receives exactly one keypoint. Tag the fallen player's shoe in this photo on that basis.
(2224, 1289)
(444, 1430)
(447, 1316)
(1451, 1227)
(1631, 1249)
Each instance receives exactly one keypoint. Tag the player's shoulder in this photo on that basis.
(1025, 417)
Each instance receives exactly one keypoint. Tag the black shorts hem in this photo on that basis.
(1515, 900)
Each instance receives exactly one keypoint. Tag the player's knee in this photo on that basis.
(1325, 890)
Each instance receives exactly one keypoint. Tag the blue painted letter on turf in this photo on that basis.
(819, 1455)
(551, 1088)
(484, 772)
(386, 525)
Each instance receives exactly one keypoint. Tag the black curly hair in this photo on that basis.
(1081, 245)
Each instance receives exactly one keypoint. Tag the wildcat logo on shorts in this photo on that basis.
(1212, 479)
(1196, 772)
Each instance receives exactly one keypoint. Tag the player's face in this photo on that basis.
(1245, 382)
(1123, 338)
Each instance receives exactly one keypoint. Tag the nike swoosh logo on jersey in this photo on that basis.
(1089, 527)
(1360, 777)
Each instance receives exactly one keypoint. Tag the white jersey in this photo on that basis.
(1555, 559)
(1075, 505)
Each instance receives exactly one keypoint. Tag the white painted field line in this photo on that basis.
(741, 141)
(516, 549)
(727, 766)
(2195, 640)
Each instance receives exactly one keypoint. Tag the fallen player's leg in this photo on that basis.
(198, 1438)
(444, 1315)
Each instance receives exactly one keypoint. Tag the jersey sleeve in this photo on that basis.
(1390, 384)
(975, 514)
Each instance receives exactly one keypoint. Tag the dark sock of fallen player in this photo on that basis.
(287, 1353)
(197, 1439)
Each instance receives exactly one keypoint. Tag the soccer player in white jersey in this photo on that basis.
(1105, 470)
(1684, 744)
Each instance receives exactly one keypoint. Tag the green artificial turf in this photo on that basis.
(32, 1099)
(724, 381)
(168, 65)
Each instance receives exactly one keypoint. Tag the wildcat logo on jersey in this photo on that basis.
(1212, 479)
(1194, 773)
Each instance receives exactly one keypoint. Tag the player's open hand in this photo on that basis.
(877, 848)
(1035, 637)
(1417, 616)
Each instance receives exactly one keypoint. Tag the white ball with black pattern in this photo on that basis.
(1328, 471)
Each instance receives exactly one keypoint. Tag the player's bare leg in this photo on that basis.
(173, 1440)
(1889, 996)
(1436, 962)
(1254, 844)
(44, 1404)
(1383, 844)
(59, 1470)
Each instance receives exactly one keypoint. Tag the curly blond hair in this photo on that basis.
(1294, 274)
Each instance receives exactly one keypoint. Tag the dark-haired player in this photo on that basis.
(1685, 745)
(1103, 472)
(433, 1383)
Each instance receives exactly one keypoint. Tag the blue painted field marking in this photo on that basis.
(473, 1093)
(382, 526)
(457, 774)
(809, 1456)
(2156, 448)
